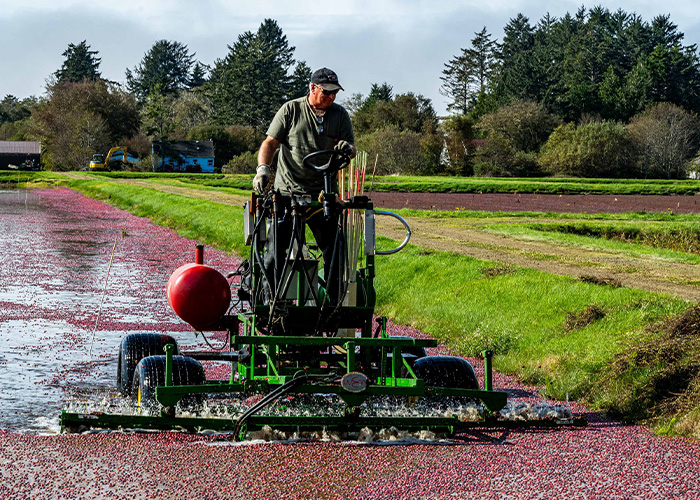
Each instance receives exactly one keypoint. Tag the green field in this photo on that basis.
(629, 352)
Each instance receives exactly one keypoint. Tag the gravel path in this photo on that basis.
(58, 246)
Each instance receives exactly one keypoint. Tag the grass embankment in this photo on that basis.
(20, 178)
(212, 223)
(618, 349)
(435, 184)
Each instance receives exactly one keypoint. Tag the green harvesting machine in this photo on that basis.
(305, 351)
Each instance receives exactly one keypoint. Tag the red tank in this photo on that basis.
(199, 294)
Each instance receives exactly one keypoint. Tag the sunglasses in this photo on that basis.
(328, 92)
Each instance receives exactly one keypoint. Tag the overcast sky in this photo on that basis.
(404, 43)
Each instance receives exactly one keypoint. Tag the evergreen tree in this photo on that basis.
(253, 80)
(80, 64)
(516, 78)
(456, 84)
(597, 62)
(158, 114)
(299, 83)
(377, 93)
(167, 64)
(12, 109)
(466, 77)
(198, 76)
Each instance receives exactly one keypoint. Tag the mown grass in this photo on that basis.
(436, 184)
(576, 337)
(18, 178)
(677, 242)
(677, 236)
(524, 315)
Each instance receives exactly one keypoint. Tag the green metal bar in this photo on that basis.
(382, 328)
(488, 370)
(169, 348)
(350, 349)
(396, 361)
(331, 341)
(382, 366)
(408, 368)
(494, 400)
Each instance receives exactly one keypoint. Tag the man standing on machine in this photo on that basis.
(303, 126)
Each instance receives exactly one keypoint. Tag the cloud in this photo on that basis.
(402, 42)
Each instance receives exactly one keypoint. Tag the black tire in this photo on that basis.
(446, 371)
(150, 373)
(132, 349)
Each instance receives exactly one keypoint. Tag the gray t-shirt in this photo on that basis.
(295, 126)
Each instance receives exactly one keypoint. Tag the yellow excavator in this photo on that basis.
(100, 163)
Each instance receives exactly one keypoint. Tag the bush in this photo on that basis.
(526, 125)
(402, 152)
(245, 163)
(459, 132)
(666, 138)
(496, 151)
(597, 149)
(485, 169)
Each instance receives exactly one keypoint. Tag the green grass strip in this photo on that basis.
(208, 222)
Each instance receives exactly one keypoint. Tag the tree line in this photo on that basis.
(595, 93)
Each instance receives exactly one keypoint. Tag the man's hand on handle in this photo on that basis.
(346, 148)
(261, 178)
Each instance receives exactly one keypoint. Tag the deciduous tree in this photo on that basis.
(77, 120)
(666, 137)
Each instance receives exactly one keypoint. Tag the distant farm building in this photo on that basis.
(183, 156)
(20, 155)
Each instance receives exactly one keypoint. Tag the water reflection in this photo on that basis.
(61, 320)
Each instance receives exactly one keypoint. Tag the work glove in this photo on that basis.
(345, 147)
(261, 178)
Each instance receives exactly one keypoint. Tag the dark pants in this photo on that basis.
(329, 239)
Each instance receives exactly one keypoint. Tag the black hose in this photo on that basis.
(271, 397)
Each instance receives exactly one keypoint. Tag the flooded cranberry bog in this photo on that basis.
(77, 275)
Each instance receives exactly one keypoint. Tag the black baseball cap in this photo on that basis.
(326, 78)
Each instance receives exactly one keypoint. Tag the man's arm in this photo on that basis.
(267, 150)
